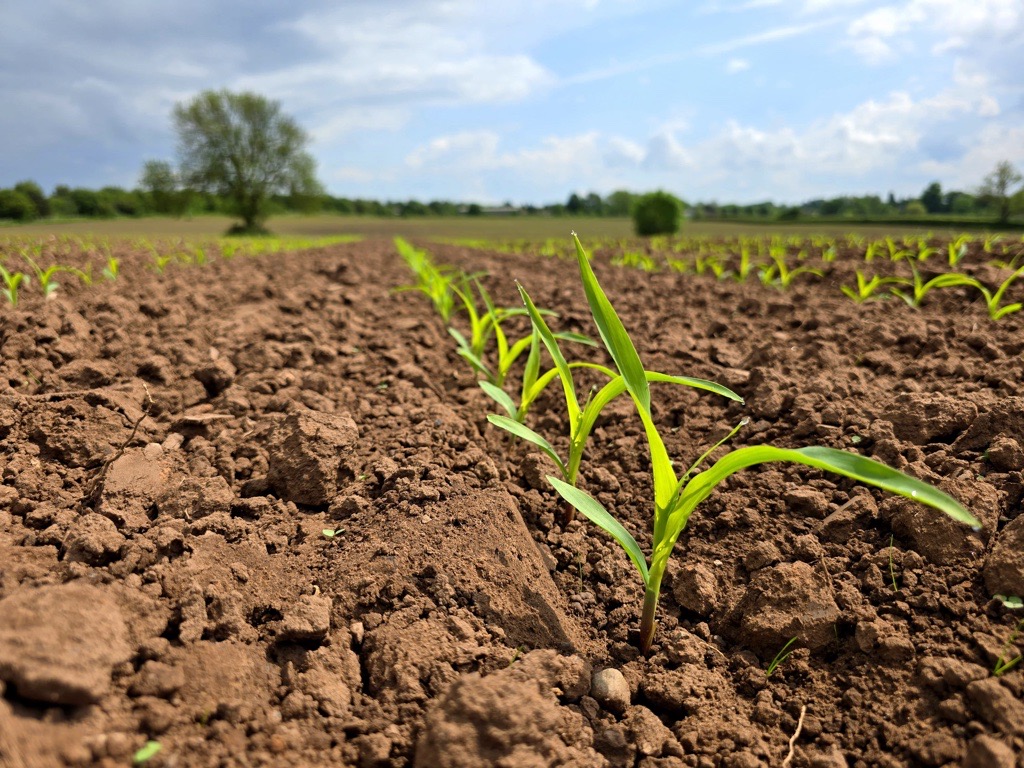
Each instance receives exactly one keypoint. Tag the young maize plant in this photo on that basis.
(47, 284)
(866, 289)
(778, 273)
(675, 498)
(582, 419)
(993, 299)
(483, 325)
(921, 286)
(956, 249)
(12, 280)
(112, 268)
(433, 282)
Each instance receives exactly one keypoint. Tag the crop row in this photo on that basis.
(909, 268)
(45, 263)
(675, 497)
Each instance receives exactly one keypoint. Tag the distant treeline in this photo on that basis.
(26, 201)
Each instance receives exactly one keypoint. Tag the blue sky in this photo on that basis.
(728, 100)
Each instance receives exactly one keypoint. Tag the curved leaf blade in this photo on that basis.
(594, 511)
(500, 396)
(689, 381)
(613, 332)
(527, 434)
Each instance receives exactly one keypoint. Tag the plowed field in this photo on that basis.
(175, 445)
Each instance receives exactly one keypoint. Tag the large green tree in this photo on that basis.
(241, 146)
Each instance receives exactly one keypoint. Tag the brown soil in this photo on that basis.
(175, 445)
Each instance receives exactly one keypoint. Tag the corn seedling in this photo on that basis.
(746, 264)
(866, 289)
(47, 284)
(921, 287)
(896, 253)
(433, 282)
(993, 299)
(781, 656)
(582, 419)
(508, 354)
(636, 260)
(956, 250)
(675, 498)
(482, 325)
(533, 382)
(1005, 663)
(112, 268)
(778, 273)
(12, 280)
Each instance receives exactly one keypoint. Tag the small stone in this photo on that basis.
(610, 689)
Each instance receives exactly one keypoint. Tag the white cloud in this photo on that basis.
(469, 150)
(959, 25)
(735, 66)
(995, 143)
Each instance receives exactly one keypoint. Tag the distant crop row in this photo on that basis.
(41, 266)
(909, 268)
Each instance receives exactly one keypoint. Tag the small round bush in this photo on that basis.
(656, 213)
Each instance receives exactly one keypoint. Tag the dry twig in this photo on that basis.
(796, 735)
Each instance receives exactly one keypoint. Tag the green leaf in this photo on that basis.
(527, 434)
(500, 396)
(688, 381)
(613, 333)
(564, 373)
(593, 510)
(843, 463)
(466, 352)
(579, 338)
(147, 752)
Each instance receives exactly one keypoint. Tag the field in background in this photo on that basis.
(465, 227)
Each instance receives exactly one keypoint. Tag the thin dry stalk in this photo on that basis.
(796, 735)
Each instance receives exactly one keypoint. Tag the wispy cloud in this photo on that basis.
(768, 36)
